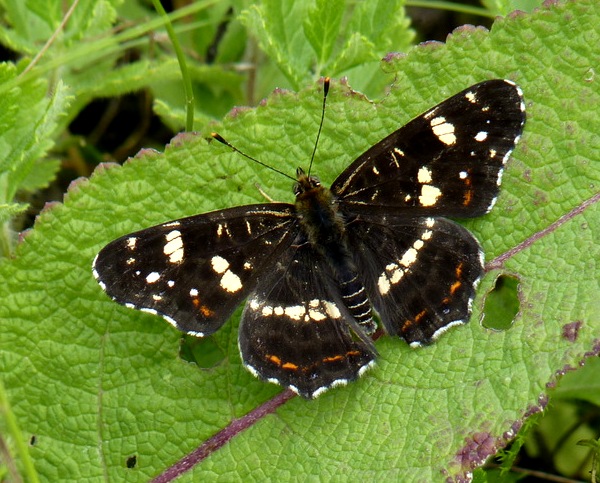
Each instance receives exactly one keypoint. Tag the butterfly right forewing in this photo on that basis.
(446, 162)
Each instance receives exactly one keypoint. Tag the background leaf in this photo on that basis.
(96, 383)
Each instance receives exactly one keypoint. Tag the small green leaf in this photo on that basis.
(322, 25)
(275, 24)
(10, 210)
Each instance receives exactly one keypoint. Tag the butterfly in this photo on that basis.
(318, 274)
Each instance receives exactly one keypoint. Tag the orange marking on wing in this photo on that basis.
(274, 359)
(333, 358)
(458, 270)
(204, 310)
(289, 365)
(420, 315)
(468, 198)
(454, 287)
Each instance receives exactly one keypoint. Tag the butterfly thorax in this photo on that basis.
(324, 227)
(317, 211)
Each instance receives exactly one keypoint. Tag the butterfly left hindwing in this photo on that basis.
(296, 330)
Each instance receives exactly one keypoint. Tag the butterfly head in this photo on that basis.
(305, 183)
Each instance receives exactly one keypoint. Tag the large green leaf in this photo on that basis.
(97, 383)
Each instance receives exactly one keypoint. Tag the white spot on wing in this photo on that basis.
(152, 277)
(131, 242)
(231, 282)
(332, 310)
(430, 114)
(295, 312)
(219, 264)
(409, 257)
(174, 247)
(429, 195)
(424, 175)
(316, 315)
(481, 136)
(443, 130)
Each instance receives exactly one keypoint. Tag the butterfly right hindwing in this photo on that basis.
(420, 273)
(195, 271)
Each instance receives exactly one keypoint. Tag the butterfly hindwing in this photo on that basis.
(195, 271)
(445, 162)
(296, 331)
(420, 273)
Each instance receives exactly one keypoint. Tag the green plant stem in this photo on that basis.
(187, 81)
(454, 7)
(13, 428)
(52, 38)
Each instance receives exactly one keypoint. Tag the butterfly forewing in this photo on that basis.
(194, 272)
(297, 332)
(445, 162)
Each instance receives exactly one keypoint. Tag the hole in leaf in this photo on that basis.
(131, 461)
(501, 304)
(201, 351)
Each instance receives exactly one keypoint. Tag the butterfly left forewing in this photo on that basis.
(195, 271)
(446, 162)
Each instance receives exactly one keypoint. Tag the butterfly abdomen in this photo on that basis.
(324, 227)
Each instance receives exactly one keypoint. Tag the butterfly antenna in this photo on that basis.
(222, 140)
(325, 91)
